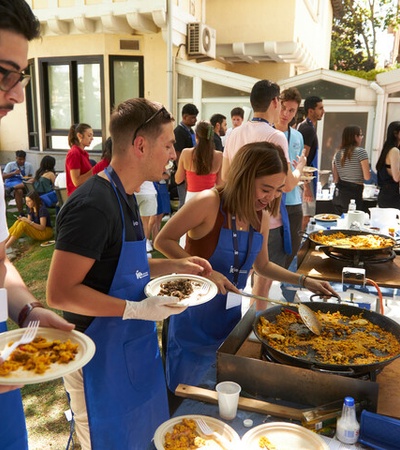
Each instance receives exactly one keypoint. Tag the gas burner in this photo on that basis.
(360, 258)
(368, 376)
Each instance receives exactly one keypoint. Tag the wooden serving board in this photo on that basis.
(247, 404)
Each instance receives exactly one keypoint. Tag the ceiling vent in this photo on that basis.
(201, 41)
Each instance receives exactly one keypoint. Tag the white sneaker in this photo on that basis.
(149, 247)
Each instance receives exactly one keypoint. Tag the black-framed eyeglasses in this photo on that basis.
(162, 111)
(10, 78)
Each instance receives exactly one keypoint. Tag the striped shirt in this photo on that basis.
(351, 171)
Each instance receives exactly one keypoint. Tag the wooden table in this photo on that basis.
(318, 265)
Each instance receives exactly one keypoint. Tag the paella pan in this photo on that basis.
(293, 344)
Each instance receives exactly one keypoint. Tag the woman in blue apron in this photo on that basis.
(229, 226)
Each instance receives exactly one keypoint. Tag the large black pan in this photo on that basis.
(347, 310)
(351, 251)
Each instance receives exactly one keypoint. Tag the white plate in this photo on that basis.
(322, 217)
(47, 243)
(153, 288)
(85, 353)
(285, 436)
(306, 178)
(216, 425)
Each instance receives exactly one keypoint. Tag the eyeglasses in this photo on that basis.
(11, 78)
(162, 111)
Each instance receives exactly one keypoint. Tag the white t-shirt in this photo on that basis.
(147, 188)
(256, 132)
(3, 221)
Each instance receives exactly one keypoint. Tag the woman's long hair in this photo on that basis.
(252, 161)
(47, 164)
(203, 153)
(392, 139)
(37, 201)
(73, 133)
(349, 142)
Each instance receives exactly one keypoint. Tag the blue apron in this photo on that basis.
(126, 396)
(13, 435)
(195, 335)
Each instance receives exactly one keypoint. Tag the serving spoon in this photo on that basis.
(307, 315)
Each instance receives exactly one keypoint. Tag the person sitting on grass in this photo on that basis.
(36, 225)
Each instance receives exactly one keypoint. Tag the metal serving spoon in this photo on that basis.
(307, 315)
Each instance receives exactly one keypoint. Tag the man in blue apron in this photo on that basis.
(119, 398)
(18, 25)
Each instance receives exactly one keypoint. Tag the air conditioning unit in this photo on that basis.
(201, 41)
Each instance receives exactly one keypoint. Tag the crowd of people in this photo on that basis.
(240, 209)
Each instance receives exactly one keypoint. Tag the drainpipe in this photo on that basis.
(170, 60)
(379, 124)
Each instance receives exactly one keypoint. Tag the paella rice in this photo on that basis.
(39, 355)
(356, 241)
(184, 436)
(343, 340)
(181, 288)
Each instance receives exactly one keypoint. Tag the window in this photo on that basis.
(126, 78)
(31, 106)
(72, 92)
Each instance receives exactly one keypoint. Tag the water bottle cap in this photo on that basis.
(349, 401)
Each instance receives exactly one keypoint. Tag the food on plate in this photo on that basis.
(356, 241)
(184, 436)
(344, 340)
(309, 169)
(39, 355)
(181, 288)
(264, 442)
(327, 217)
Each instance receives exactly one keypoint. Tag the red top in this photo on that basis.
(101, 165)
(197, 183)
(76, 159)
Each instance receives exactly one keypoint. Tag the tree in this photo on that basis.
(354, 32)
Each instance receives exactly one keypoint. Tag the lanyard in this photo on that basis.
(288, 135)
(236, 263)
(260, 119)
(130, 202)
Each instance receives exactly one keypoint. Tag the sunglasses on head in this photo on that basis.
(162, 111)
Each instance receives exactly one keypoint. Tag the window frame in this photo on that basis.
(72, 61)
(111, 60)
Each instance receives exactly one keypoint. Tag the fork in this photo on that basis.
(203, 290)
(224, 443)
(26, 338)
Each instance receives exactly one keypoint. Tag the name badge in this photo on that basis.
(233, 300)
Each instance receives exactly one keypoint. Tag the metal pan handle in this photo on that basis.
(349, 372)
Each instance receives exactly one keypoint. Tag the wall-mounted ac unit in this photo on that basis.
(201, 41)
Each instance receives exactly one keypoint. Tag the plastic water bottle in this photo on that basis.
(347, 427)
(331, 185)
(352, 205)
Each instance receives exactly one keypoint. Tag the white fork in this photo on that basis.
(204, 289)
(224, 443)
(28, 336)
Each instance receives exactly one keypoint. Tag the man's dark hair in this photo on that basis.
(217, 118)
(20, 154)
(190, 109)
(17, 16)
(311, 103)
(238, 111)
(262, 93)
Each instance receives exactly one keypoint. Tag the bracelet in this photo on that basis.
(302, 280)
(26, 310)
